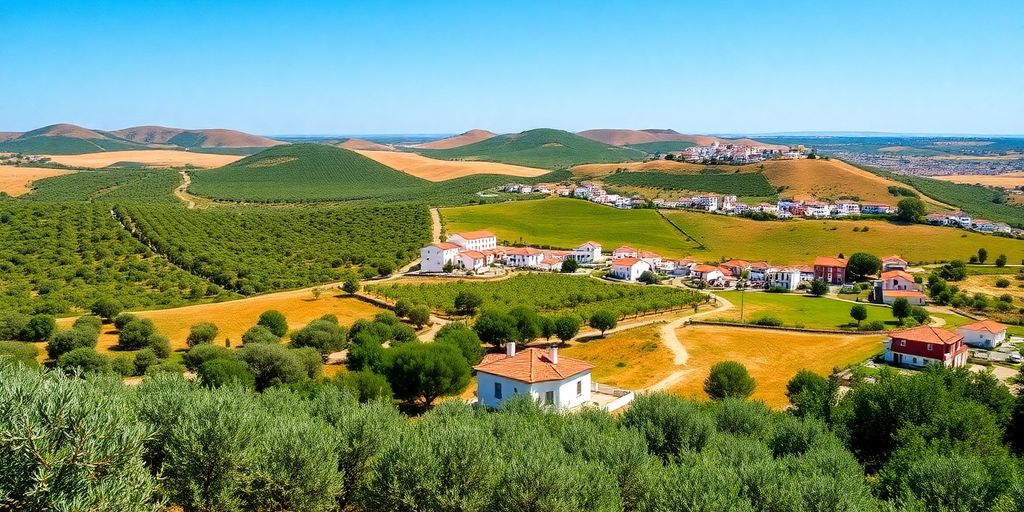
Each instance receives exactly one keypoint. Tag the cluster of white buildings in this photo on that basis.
(474, 251)
(734, 153)
(587, 190)
(785, 208)
(964, 220)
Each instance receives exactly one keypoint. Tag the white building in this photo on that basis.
(561, 383)
(474, 240)
(706, 202)
(588, 252)
(817, 210)
(472, 260)
(652, 258)
(785, 277)
(985, 333)
(524, 257)
(629, 269)
(961, 218)
(893, 262)
(624, 251)
(434, 257)
(845, 207)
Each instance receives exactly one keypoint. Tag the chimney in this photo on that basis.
(510, 349)
(554, 354)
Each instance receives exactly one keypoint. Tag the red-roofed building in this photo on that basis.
(524, 257)
(898, 284)
(474, 240)
(924, 345)
(435, 257)
(893, 263)
(984, 333)
(830, 270)
(629, 269)
(558, 382)
(624, 251)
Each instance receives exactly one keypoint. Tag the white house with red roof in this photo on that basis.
(629, 269)
(524, 257)
(624, 251)
(898, 284)
(474, 240)
(587, 252)
(707, 273)
(893, 262)
(558, 382)
(984, 333)
(472, 260)
(652, 258)
(924, 345)
(434, 257)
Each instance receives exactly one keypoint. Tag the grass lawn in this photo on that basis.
(952, 319)
(800, 240)
(567, 223)
(796, 309)
(771, 357)
(973, 270)
(632, 359)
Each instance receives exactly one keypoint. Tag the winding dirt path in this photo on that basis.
(182, 191)
(435, 220)
(671, 340)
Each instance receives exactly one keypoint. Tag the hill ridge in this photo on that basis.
(545, 148)
(462, 139)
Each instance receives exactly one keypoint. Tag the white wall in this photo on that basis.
(565, 390)
(433, 259)
(479, 244)
(982, 338)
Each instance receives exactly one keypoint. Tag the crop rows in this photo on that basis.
(738, 184)
(83, 185)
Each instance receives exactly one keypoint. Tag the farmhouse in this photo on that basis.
(524, 257)
(624, 251)
(893, 263)
(816, 209)
(434, 257)
(786, 277)
(985, 333)
(830, 270)
(560, 383)
(897, 284)
(588, 252)
(876, 209)
(844, 207)
(629, 269)
(472, 260)
(925, 345)
(474, 240)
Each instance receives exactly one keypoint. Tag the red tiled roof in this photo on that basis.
(444, 246)
(926, 334)
(892, 274)
(903, 293)
(825, 261)
(624, 248)
(760, 264)
(476, 255)
(524, 251)
(985, 325)
(531, 365)
(625, 262)
(474, 235)
(704, 268)
(893, 258)
(725, 271)
(649, 254)
(737, 263)
(590, 243)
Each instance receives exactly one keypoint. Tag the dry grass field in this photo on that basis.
(15, 181)
(1008, 180)
(440, 170)
(632, 359)
(772, 357)
(235, 317)
(987, 284)
(599, 170)
(148, 157)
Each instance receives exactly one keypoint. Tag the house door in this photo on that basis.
(897, 358)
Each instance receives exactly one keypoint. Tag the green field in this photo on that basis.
(797, 310)
(567, 223)
(666, 146)
(86, 185)
(60, 145)
(547, 293)
(746, 184)
(543, 148)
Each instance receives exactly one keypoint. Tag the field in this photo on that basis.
(662, 146)
(84, 185)
(440, 170)
(800, 241)
(59, 258)
(543, 148)
(234, 317)
(987, 284)
(633, 359)
(15, 181)
(254, 250)
(772, 357)
(745, 184)
(1008, 180)
(546, 222)
(797, 310)
(146, 157)
(548, 293)
(599, 170)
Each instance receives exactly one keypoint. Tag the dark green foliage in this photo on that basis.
(223, 372)
(202, 332)
(85, 359)
(862, 265)
(259, 334)
(467, 302)
(458, 335)
(67, 340)
(910, 209)
(859, 313)
(143, 360)
(811, 394)
(901, 309)
(106, 308)
(648, 277)
(543, 148)
(729, 379)
(818, 287)
(768, 320)
(365, 352)
(200, 354)
(419, 315)
(1001, 260)
(566, 327)
(982, 255)
(275, 322)
(426, 371)
(24, 353)
(136, 334)
(39, 328)
(123, 319)
(602, 320)
(273, 364)
(310, 359)
(89, 324)
(351, 284)
(365, 385)
(740, 184)
(528, 323)
(324, 336)
(160, 345)
(955, 270)
(670, 424)
(12, 324)
(569, 266)
(496, 327)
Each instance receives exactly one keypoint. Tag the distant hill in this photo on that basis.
(617, 137)
(69, 139)
(455, 141)
(543, 148)
(360, 144)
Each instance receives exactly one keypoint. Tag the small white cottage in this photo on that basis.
(561, 383)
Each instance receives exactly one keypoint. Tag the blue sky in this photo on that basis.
(443, 67)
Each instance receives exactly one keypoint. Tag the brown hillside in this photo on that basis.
(68, 130)
(458, 140)
(617, 137)
(440, 170)
(362, 145)
(214, 137)
(9, 135)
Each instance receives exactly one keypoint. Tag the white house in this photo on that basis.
(624, 251)
(898, 280)
(983, 225)
(876, 208)
(706, 202)
(474, 240)
(525, 257)
(472, 260)
(588, 252)
(898, 284)
(845, 207)
(816, 209)
(560, 383)
(985, 333)
(785, 277)
(652, 259)
(629, 269)
(434, 257)
(893, 263)
(707, 273)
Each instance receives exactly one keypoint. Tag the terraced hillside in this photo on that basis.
(544, 148)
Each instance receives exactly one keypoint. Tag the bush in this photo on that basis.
(85, 359)
(603, 320)
(366, 386)
(467, 302)
(729, 379)
(419, 315)
(200, 354)
(464, 339)
(123, 319)
(24, 353)
(426, 371)
(496, 327)
(160, 345)
(89, 324)
(275, 321)
(12, 324)
(272, 364)
(819, 287)
(873, 325)
(221, 371)
(310, 360)
(768, 320)
(569, 266)
(259, 334)
(648, 277)
(1002, 282)
(143, 360)
(165, 367)
(123, 365)
(67, 340)
(39, 328)
(106, 308)
(324, 336)
(135, 334)
(202, 332)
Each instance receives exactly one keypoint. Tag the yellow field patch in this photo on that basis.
(148, 157)
(633, 359)
(235, 317)
(15, 181)
(440, 170)
(598, 170)
(987, 284)
(1008, 180)
(772, 357)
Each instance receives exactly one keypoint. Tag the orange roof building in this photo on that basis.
(558, 382)
(983, 333)
(921, 346)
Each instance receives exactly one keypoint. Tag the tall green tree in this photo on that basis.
(422, 372)
(862, 265)
(729, 379)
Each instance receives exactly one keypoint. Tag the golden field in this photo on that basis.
(772, 357)
(148, 157)
(15, 181)
(1008, 180)
(631, 359)
(440, 170)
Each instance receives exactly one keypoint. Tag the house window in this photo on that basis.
(929, 346)
(549, 398)
(579, 388)
(903, 343)
(497, 390)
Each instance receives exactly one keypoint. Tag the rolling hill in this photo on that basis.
(619, 137)
(359, 144)
(544, 148)
(455, 141)
(69, 139)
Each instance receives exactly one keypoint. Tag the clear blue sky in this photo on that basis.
(442, 67)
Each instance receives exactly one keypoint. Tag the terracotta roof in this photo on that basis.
(551, 260)
(892, 274)
(926, 334)
(704, 268)
(476, 255)
(532, 365)
(474, 235)
(760, 264)
(826, 261)
(524, 251)
(626, 262)
(985, 325)
(444, 246)
(649, 254)
(893, 258)
(725, 271)
(737, 263)
(624, 248)
(590, 243)
(903, 293)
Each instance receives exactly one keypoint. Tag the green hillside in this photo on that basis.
(60, 145)
(665, 146)
(544, 148)
(739, 183)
